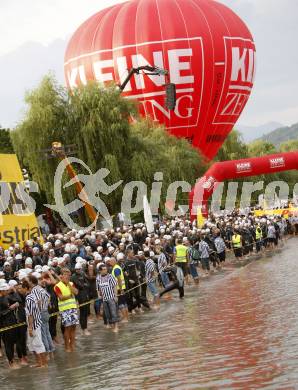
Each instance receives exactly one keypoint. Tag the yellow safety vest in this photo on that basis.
(236, 240)
(259, 233)
(123, 287)
(68, 303)
(181, 251)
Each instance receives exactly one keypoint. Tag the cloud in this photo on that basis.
(43, 21)
(274, 26)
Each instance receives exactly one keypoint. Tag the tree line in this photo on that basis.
(108, 133)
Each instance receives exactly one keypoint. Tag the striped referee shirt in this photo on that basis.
(204, 249)
(106, 286)
(32, 309)
(149, 270)
(162, 262)
(42, 297)
(219, 245)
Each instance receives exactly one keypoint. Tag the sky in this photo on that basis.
(34, 35)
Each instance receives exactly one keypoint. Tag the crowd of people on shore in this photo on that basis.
(112, 275)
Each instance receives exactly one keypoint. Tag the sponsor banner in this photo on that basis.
(281, 212)
(243, 167)
(278, 162)
(17, 223)
(17, 229)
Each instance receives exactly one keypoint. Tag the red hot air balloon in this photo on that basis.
(207, 49)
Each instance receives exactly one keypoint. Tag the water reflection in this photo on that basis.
(237, 331)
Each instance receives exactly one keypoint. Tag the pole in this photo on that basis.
(58, 151)
(80, 189)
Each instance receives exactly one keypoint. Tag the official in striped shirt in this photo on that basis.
(150, 274)
(162, 263)
(33, 318)
(43, 299)
(205, 253)
(220, 247)
(41, 295)
(106, 286)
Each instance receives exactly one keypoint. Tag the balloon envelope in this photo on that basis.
(207, 49)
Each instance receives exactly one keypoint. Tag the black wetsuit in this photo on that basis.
(7, 318)
(21, 331)
(175, 284)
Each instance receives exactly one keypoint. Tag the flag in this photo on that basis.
(170, 205)
(200, 218)
(148, 215)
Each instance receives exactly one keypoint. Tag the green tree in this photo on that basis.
(43, 123)
(234, 148)
(260, 148)
(289, 146)
(98, 122)
(5, 141)
(290, 177)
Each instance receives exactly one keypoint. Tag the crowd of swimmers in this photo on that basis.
(113, 274)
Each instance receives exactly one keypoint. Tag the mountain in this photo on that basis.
(281, 135)
(251, 133)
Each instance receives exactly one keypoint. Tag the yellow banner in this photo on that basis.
(281, 212)
(10, 170)
(17, 223)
